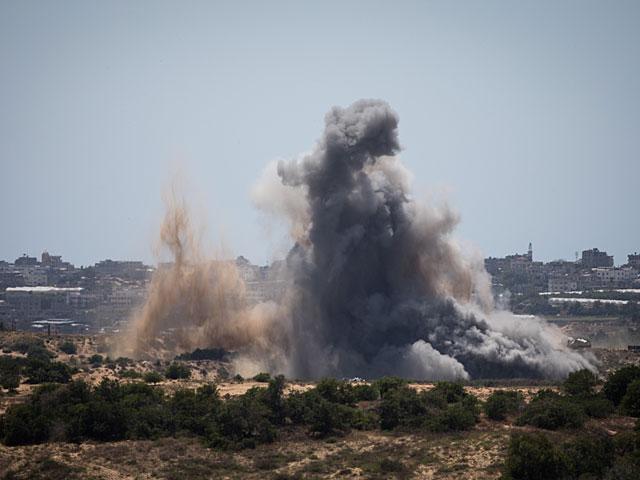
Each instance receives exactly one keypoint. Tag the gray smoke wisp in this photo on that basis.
(378, 284)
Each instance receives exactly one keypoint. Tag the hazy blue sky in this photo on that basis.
(527, 114)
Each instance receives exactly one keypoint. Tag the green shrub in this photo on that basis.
(95, 359)
(324, 417)
(457, 417)
(243, 422)
(10, 381)
(364, 392)
(594, 405)
(389, 465)
(123, 361)
(176, 371)
(25, 345)
(132, 374)
(533, 457)
(336, 391)
(630, 403)
(152, 377)
(23, 425)
(205, 354)
(10, 371)
(551, 411)
(386, 384)
(40, 354)
(589, 457)
(452, 392)
(38, 371)
(69, 348)
(615, 387)
(581, 382)
(501, 403)
(401, 407)
(262, 377)
(331, 418)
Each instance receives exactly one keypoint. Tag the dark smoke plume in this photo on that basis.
(379, 286)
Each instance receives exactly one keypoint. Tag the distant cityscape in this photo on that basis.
(593, 270)
(50, 294)
(53, 295)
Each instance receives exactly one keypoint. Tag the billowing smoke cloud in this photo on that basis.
(380, 287)
(376, 283)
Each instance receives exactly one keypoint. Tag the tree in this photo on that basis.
(580, 382)
(152, 377)
(176, 371)
(615, 387)
(69, 348)
(631, 401)
(262, 377)
(502, 402)
(532, 457)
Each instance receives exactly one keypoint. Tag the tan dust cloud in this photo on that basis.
(199, 302)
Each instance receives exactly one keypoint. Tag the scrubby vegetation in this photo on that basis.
(615, 388)
(502, 403)
(152, 377)
(36, 368)
(262, 377)
(96, 359)
(535, 456)
(218, 354)
(414, 426)
(115, 411)
(177, 371)
(69, 348)
(446, 407)
(552, 410)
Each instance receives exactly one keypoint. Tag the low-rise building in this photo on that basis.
(33, 275)
(634, 261)
(595, 258)
(563, 283)
(608, 275)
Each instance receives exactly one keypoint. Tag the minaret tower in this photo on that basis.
(530, 252)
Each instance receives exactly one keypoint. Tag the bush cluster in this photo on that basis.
(177, 371)
(446, 407)
(74, 410)
(534, 456)
(69, 348)
(114, 411)
(622, 388)
(37, 367)
(263, 377)
(10, 371)
(552, 410)
(205, 354)
(502, 403)
(95, 359)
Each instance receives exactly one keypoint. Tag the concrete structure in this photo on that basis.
(126, 297)
(608, 275)
(123, 269)
(25, 260)
(634, 261)
(40, 302)
(563, 283)
(595, 258)
(33, 275)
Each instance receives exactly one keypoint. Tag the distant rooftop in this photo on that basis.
(44, 289)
